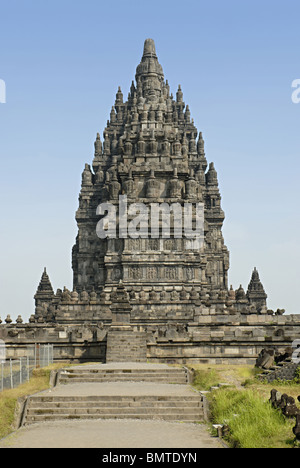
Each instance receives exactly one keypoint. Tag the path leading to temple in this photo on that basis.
(125, 405)
(111, 434)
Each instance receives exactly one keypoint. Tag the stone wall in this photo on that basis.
(224, 339)
(209, 338)
(86, 342)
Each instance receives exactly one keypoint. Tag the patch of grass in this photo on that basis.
(248, 374)
(252, 421)
(244, 405)
(8, 398)
(205, 378)
(283, 386)
(7, 410)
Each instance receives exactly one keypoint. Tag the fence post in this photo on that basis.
(11, 374)
(37, 364)
(43, 356)
(27, 366)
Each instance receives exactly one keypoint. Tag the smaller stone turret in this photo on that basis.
(44, 291)
(98, 145)
(120, 307)
(44, 295)
(256, 293)
(211, 176)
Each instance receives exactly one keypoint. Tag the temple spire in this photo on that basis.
(256, 293)
(148, 135)
(211, 176)
(149, 48)
(149, 69)
(44, 291)
(179, 95)
(98, 145)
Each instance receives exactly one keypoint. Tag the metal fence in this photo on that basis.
(14, 372)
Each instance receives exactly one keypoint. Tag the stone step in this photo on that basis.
(97, 370)
(114, 398)
(125, 375)
(175, 375)
(127, 345)
(175, 407)
(107, 404)
(123, 345)
(125, 356)
(114, 411)
(129, 339)
(187, 418)
(65, 381)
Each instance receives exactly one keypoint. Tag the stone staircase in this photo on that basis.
(126, 345)
(173, 408)
(93, 374)
(116, 392)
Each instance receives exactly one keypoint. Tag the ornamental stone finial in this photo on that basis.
(149, 47)
(98, 145)
(179, 94)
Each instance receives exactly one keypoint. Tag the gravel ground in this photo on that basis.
(119, 388)
(111, 434)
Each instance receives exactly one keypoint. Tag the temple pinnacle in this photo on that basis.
(149, 48)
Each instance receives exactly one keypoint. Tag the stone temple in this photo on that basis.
(151, 297)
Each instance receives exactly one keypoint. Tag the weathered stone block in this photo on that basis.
(217, 334)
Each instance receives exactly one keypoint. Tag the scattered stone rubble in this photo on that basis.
(276, 365)
(287, 405)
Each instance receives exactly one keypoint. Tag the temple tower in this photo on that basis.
(44, 295)
(152, 153)
(143, 289)
(256, 293)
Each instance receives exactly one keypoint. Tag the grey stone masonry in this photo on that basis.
(123, 344)
(209, 338)
(152, 153)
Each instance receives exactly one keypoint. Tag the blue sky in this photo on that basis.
(62, 62)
